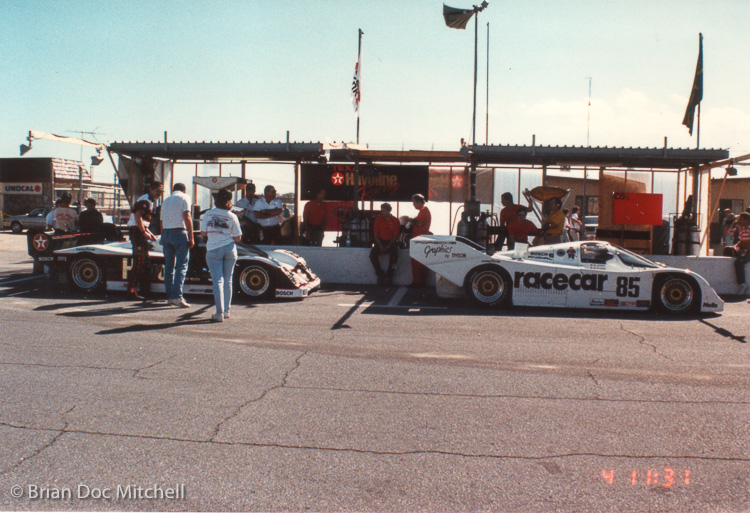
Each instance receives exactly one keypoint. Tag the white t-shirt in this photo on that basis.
(248, 202)
(131, 221)
(63, 218)
(221, 226)
(262, 204)
(172, 210)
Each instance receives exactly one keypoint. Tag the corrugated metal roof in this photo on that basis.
(203, 150)
(659, 158)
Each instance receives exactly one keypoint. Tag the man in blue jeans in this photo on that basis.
(176, 240)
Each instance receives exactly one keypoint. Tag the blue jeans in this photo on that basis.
(221, 265)
(176, 256)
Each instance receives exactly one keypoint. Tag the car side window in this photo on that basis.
(595, 254)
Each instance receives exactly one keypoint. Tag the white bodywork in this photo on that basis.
(586, 274)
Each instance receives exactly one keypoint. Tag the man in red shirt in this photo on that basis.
(386, 230)
(742, 251)
(507, 215)
(520, 228)
(315, 218)
(421, 224)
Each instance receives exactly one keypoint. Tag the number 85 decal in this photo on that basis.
(628, 287)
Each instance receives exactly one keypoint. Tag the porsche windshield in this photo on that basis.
(632, 260)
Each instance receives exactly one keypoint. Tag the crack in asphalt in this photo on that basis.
(516, 396)
(50, 443)
(263, 394)
(643, 342)
(415, 452)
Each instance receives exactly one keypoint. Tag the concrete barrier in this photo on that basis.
(352, 266)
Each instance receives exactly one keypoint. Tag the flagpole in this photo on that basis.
(359, 65)
(487, 103)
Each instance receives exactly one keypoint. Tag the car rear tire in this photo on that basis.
(255, 281)
(676, 295)
(16, 227)
(86, 274)
(489, 286)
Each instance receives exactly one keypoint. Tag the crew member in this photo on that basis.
(520, 228)
(267, 210)
(315, 218)
(139, 237)
(507, 216)
(421, 226)
(742, 250)
(155, 192)
(250, 226)
(386, 230)
(553, 224)
(176, 240)
(64, 219)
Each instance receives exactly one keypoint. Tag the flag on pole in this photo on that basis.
(457, 18)
(356, 93)
(696, 95)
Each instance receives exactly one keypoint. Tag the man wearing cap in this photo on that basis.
(386, 230)
(520, 228)
(176, 241)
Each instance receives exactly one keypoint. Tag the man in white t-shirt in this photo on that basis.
(63, 219)
(250, 226)
(176, 241)
(267, 210)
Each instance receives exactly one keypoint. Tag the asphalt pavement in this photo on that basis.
(365, 399)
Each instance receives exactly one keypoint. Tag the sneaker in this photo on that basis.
(226, 315)
(179, 302)
(217, 317)
(134, 296)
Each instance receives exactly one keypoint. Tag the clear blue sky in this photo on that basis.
(251, 70)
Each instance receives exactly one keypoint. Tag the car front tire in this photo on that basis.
(255, 281)
(86, 274)
(676, 295)
(488, 286)
(16, 227)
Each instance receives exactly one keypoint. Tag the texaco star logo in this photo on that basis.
(337, 178)
(40, 242)
(458, 181)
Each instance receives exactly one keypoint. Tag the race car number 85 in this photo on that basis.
(628, 287)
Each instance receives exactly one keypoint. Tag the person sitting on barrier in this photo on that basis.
(315, 218)
(63, 219)
(520, 228)
(92, 221)
(386, 231)
(552, 225)
(741, 251)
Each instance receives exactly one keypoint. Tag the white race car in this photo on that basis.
(258, 274)
(588, 274)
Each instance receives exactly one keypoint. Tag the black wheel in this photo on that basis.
(86, 274)
(676, 295)
(255, 281)
(488, 286)
(16, 227)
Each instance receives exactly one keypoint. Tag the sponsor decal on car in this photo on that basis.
(642, 303)
(559, 281)
(596, 302)
(611, 302)
(710, 305)
(434, 251)
(284, 293)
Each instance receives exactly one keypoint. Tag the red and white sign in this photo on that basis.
(22, 188)
(337, 178)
